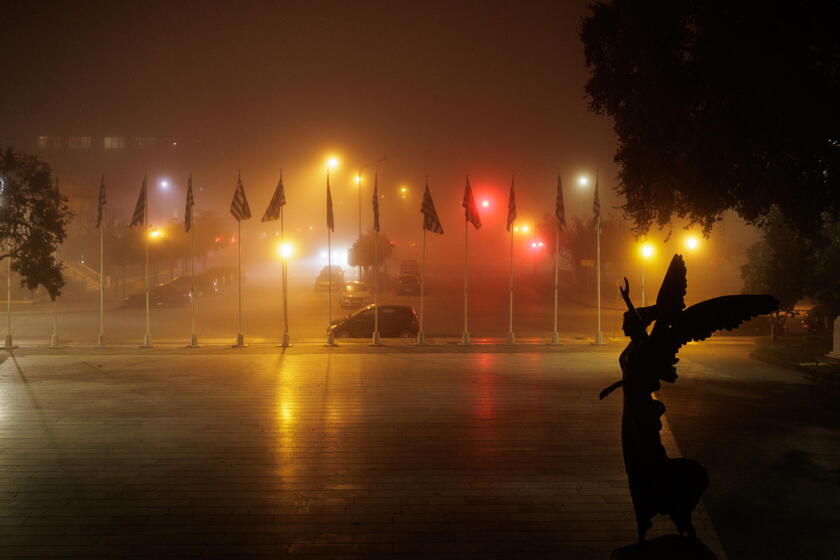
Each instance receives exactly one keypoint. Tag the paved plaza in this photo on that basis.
(351, 454)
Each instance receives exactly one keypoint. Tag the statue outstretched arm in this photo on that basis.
(606, 392)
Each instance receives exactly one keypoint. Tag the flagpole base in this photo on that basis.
(193, 341)
(147, 341)
(511, 339)
(465, 339)
(377, 341)
(555, 339)
(421, 339)
(100, 341)
(53, 341)
(331, 340)
(240, 341)
(9, 344)
(286, 342)
(599, 339)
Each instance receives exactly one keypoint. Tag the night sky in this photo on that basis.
(440, 88)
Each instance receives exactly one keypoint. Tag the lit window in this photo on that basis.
(78, 142)
(114, 142)
(145, 142)
(49, 142)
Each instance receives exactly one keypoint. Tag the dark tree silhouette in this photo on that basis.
(720, 105)
(33, 220)
(361, 254)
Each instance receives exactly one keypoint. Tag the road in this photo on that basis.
(483, 452)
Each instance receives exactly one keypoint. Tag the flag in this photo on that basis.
(278, 199)
(239, 205)
(376, 202)
(470, 209)
(139, 217)
(188, 212)
(431, 221)
(559, 206)
(511, 207)
(102, 202)
(330, 217)
(596, 206)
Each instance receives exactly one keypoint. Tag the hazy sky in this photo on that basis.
(439, 87)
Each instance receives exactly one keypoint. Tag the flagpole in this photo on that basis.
(465, 338)
(240, 338)
(376, 339)
(9, 343)
(330, 334)
(193, 334)
(284, 270)
(421, 335)
(101, 341)
(555, 336)
(54, 337)
(599, 336)
(147, 339)
(511, 339)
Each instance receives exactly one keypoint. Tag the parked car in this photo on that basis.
(408, 284)
(395, 321)
(161, 295)
(409, 267)
(213, 280)
(322, 282)
(355, 294)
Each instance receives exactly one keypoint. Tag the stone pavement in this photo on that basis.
(352, 454)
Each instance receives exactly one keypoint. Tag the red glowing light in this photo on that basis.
(218, 239)
(485, 203)
(233, 240)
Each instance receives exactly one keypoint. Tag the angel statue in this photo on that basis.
(659, 484)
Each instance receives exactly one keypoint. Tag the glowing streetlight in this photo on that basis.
(583, 181)
(485, 203)
(357, 179)
(691, 243)
(155, 234)
(646, 251)
(285, 250)
(332, 163)
(164, 184)
(403, 192)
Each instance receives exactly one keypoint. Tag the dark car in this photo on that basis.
(159, 296)
(408, 284)
(395, 321)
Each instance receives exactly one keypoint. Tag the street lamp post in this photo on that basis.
(647, 253)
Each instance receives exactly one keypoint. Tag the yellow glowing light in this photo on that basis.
(155, 233)
(285, 250)
(358, 179)
(525, 229)
(403, 189)
(332, 163)
(691, 242)
(647, 250)
(515, 228)
(583, 181)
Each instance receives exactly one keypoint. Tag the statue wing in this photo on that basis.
(699, 321)
(671, 296)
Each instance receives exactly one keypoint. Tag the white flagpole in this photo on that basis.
(193, 334)
(599, 336)
(421, 336)
(240, 338)
(555, 336)
(511, 339)
(101, 341)
(147, 339)
(376, 339)
(330, 334)
(54, 337)
(285, 272)
(465, 338)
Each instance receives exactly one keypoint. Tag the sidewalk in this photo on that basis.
(357, 455)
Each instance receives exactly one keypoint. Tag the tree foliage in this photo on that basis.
(361, 254)
(720, 105)
(33, 220)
